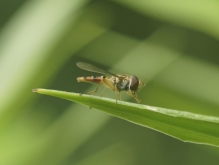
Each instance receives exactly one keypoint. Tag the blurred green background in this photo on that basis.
(172, 46)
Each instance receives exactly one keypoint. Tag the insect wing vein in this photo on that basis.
(92, 68)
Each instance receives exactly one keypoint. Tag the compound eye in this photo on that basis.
(134, 83)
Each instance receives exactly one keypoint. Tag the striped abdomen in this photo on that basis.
(91, 79)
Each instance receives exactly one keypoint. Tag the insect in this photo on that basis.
(117, 83)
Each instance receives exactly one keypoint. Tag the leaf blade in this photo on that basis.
(185, 126)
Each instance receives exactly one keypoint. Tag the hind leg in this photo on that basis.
(102, 92)
(94, 90)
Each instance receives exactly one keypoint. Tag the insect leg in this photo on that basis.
(116, 96)
(115, 92)
(133, 94)
(94, 90)
(120, 96)
(102, 92)
(136, 98)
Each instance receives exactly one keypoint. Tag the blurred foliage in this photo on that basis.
(171, 46)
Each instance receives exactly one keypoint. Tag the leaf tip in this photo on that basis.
(35, 90)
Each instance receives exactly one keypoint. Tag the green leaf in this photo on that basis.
(185, 126)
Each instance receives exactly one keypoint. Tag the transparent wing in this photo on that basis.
(92, 68)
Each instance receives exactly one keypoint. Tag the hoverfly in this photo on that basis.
(117, 83)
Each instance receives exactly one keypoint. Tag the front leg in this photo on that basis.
(133, 94)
